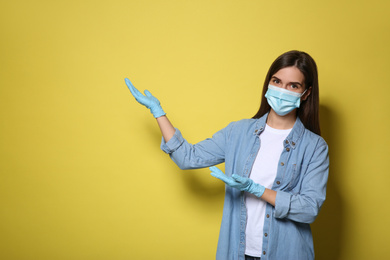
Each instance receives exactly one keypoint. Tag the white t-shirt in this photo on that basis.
(264, 173)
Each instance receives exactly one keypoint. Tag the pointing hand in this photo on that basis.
(148, 100)
(238, 182)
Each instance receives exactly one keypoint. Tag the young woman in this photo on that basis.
(276, 165)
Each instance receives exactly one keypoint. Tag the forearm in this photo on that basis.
(166, 128)
(303, 205)
(269, 196)
(302, 208)
(206, 153)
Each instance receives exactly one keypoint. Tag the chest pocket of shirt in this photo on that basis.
(295, 176)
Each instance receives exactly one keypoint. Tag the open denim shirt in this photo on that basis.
(300, 184)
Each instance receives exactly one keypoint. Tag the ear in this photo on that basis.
(307, 94)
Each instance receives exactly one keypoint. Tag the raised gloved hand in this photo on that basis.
(148, 100)
(238, 182)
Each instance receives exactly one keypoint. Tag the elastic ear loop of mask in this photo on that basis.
(303, 93)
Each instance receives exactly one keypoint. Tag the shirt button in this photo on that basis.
(266, 235)
(287, 149)
(292, 143)
(267, 215)
(282, 163)
(286, 141)
(263, 252)
(278, 182)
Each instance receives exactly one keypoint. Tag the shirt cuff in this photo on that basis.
(173, 144)
(282, 204)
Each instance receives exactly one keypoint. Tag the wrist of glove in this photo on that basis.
(238, 182)
(148, 100)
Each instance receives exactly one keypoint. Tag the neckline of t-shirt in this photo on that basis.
(277, 131)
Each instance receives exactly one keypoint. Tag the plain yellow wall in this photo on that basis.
(81, 172)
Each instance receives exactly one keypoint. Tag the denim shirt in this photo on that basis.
(300, 184)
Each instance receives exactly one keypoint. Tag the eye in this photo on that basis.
(294, 86)
(276, 81)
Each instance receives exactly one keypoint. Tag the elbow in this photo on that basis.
(184, 167)
(312, 212)
(306, 216)
(299, 208)
(183, 164)
(310, 217)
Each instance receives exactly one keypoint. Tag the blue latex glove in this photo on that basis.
(148, 100)
(238, 182)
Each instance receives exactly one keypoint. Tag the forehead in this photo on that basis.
(290, 74)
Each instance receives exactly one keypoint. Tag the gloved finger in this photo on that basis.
(128, 82)
(135, 92)
(147, 93)
(216, 169)
(217, 173)
(239, 178)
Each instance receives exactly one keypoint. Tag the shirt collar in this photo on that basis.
(293, 137)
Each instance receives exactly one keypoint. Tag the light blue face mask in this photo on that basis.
(283, 101)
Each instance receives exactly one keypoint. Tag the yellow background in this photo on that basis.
(81, 172)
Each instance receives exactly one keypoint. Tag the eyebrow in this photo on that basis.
(297, 83)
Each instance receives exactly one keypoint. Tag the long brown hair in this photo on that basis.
(308, 112)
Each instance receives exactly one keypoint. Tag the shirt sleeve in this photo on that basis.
(305, 206)
(206, 153)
